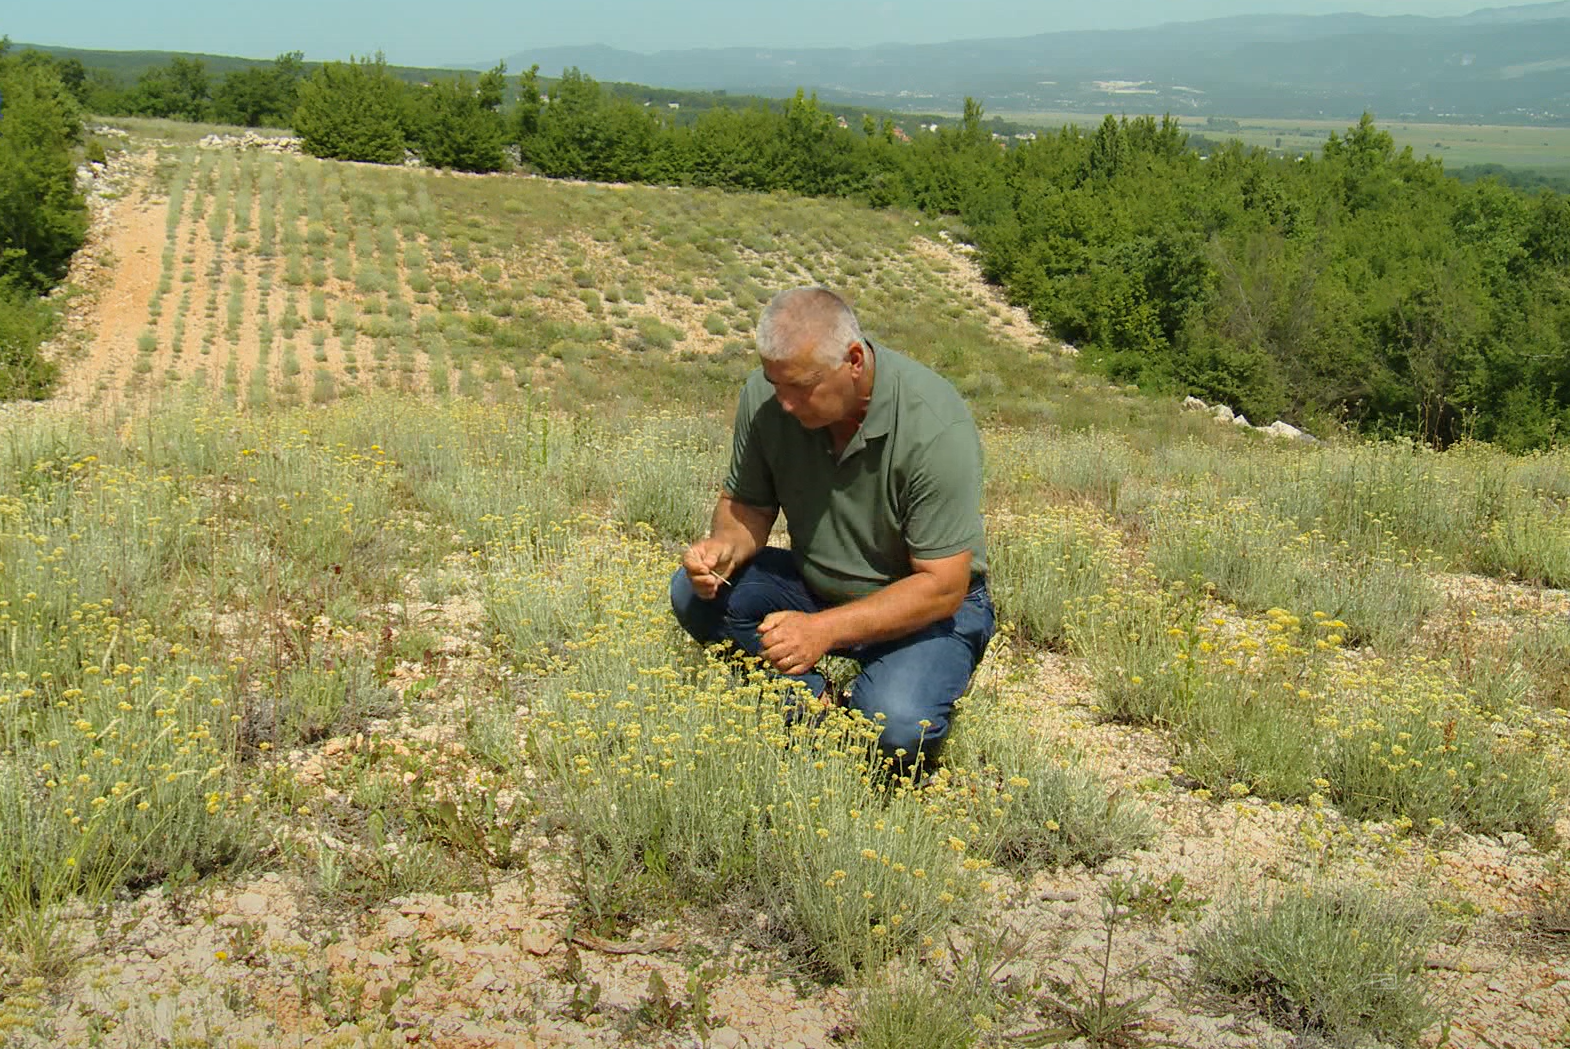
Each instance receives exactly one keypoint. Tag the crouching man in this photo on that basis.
(876, 462)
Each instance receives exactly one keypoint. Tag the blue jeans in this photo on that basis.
(909, 680)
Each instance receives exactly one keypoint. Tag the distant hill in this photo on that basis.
(1521, 13)
(126, 66)
(1508, 64)
(685, 105)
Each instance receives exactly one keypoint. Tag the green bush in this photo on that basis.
(352, 111)
(1037, 806)
(25, 322)
(1039, 565)
(315, 702)
(43, 219)
(1343, 963)
(655, 334)
(911, 1009)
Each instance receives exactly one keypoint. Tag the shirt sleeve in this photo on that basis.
(749, 480)
(943, 515)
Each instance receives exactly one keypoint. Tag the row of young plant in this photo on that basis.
(406, 276)
(292, 204)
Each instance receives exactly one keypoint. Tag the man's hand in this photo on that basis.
(793, 642)
(709, 564)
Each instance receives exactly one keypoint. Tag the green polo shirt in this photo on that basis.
(907, 485)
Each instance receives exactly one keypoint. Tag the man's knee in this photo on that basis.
(914, 718)
(905, 736)
(912, 694)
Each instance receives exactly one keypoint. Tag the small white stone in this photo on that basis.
(1284, 429)
(400, 928)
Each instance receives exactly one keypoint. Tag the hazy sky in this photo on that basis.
(420, 32)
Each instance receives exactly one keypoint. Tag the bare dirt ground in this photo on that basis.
(264, 962)
(118, 268)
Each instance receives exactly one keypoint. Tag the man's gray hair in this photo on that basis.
(813, 316)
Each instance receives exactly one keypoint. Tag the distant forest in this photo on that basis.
(259, 93)
(1360, 286)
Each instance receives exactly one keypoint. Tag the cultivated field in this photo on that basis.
(270, 279)
(342, 704)
(1458, 145)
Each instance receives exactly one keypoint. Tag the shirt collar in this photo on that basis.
(880, 409)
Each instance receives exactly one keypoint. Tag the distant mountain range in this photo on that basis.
(1506, 64)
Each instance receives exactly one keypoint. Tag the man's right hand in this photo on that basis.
(709, 564)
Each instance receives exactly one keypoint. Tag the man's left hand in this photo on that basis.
(793, 642)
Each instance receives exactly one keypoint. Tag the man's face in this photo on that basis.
(814, 395)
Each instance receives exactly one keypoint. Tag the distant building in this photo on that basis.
(899, 135)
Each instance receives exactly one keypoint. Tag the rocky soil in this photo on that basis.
(269, 960)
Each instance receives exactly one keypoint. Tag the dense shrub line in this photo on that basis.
(43, 218)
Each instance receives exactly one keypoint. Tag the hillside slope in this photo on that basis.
(364, 662)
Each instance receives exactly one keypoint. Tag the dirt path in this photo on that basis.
(130, 233)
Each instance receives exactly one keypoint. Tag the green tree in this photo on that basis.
(459, 125)
(181, 90)
(104, 93)
(43, 219)
(261, 95)
(352, 111)
(526, 119)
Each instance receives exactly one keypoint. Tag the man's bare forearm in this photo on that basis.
(745, 527)
(901, 608)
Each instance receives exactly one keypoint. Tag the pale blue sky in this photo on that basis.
(420, 32)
